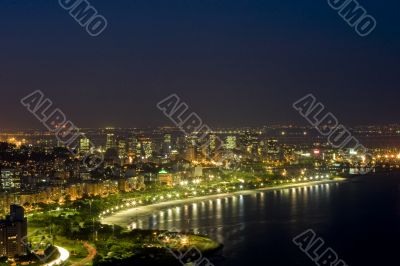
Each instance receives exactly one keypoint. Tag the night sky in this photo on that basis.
(236, 62)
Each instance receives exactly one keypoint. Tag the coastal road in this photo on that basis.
(64, 255)
(92, 253)
(122, 218)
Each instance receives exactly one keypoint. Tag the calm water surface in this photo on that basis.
(359, 219)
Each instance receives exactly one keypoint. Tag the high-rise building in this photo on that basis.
(215, 143)
(84, 145)
(272, 146)
(110, 142)
(212, 142)
(139, 149)
(250, 142)
(190, 153)
(231, 142)
(13, 232)
(167, 144)
(167, 138)
(122, 151)
(132, 146)
(10, 179)
(147, 147)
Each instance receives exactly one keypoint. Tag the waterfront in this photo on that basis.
(359, 219)
(129, 217)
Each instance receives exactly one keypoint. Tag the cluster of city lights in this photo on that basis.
(16, 142)
(389, 156)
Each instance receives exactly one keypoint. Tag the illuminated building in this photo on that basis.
(198, 171)
(250, 142)
(122, 149)
(136, 183)
(110, 142)
(165, 178)
(167, 138)
(272, 146)
(13, 232)
(85, 175)
(147, 148)
(190, 153)
(10, 179)
(138, 149)
(201, 153)
(123, 185)
(213, 142)
(167, 144)
(84, 145)
(132, 146)
(230, 142)
(60, 143)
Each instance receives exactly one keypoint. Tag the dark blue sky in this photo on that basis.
(234, 62)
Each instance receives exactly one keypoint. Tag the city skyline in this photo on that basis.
(199, 132)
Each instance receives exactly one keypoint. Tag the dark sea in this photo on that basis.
(359, 219)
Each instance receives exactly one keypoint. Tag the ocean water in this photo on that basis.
(359, 219)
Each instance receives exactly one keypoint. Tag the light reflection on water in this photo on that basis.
(209, 216)
(252, 226)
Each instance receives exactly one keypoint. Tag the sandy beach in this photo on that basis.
(121, 218)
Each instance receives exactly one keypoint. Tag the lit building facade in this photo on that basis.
(110, 141)
(231, 142)
(10, 179)
(84, 145)
(13, 233)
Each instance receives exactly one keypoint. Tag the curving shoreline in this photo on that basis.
(121, 218)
